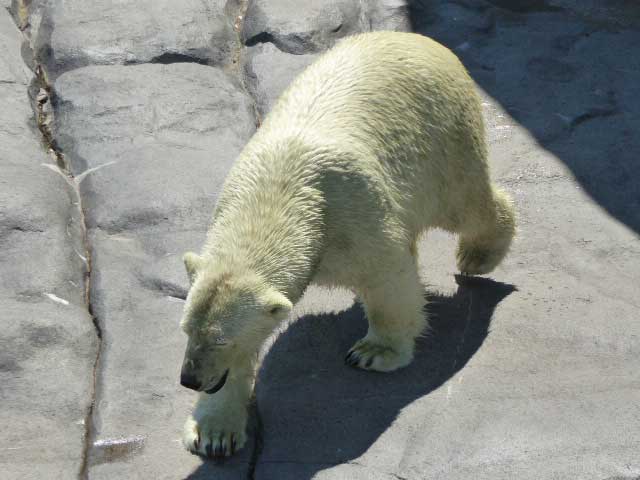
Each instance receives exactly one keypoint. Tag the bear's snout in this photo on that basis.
(189, 380)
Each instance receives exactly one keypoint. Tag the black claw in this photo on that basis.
(369, 362)
(347, 359)
(233, 446)
(220, 449)
(353, 359)
(209, 450)
(196, 443)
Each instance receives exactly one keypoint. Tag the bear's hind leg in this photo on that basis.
(486, 239)
(395, 311)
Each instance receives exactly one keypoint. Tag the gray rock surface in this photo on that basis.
(319, 24)
(48, 342)
(161, 138)
(316, 28)
(531, 373)
(67, 34)
(269, 71)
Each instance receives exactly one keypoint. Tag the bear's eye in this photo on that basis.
(274, 310)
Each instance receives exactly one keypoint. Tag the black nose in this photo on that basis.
(189, 381)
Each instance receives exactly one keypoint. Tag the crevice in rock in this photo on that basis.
(45, 118)
(19, 228)
(293, 44)
(168, 58)
(89, 424)
(592, 114)
(571, 123)
(526, 6)
(238, 54)
(398, 477)
(262, 37)
(42, 93)
(164, 287)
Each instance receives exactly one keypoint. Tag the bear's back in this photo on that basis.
(375, 87)
(380, 122)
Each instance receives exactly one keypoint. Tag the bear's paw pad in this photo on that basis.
(207, 439)
(370, 355)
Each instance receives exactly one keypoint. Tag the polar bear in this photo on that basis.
(377, 141)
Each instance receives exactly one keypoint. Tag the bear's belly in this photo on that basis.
(341, 264)
(336, 269)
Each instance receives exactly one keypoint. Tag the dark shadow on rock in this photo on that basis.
(564, 71)
(223, 470)
(317, 412)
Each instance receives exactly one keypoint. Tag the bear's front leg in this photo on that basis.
(217, 426)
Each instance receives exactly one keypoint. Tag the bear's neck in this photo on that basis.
(269, 221)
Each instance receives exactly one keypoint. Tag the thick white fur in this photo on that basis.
(377, 141)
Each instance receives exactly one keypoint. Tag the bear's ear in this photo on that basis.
(192, 262)
(276, 304)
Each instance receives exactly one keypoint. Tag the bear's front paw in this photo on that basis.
(473, 261)
(370, 355)
(214, 437)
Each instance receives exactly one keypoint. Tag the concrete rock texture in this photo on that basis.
(67, 34)
(48, 342)
(138, 109)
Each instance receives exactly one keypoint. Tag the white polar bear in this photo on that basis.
(377, 141)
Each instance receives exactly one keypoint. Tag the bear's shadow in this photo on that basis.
(316, 412)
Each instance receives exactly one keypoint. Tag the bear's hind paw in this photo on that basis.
(368, 355)
(475, 261)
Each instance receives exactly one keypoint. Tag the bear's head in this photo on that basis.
(228, 315)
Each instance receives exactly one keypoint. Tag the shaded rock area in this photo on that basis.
(137, 111)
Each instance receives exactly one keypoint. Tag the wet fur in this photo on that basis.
(379, 140)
